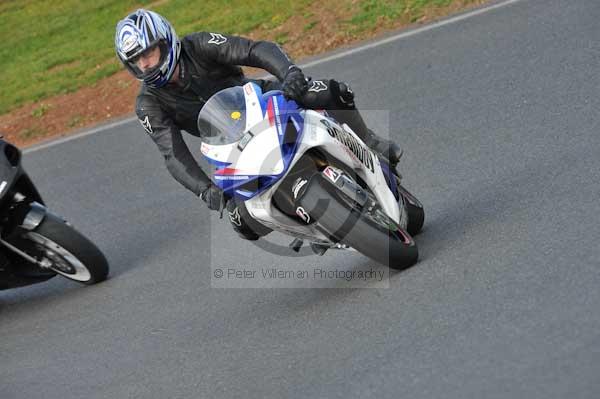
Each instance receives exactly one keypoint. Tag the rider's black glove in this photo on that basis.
(294, 84)
(213, 196)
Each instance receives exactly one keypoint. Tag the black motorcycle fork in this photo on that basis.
(31, 218)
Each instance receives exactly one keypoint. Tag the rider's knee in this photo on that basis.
(329, 94)
(342, 93)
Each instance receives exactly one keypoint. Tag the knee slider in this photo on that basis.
(342, 93)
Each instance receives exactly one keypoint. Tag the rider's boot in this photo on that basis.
(390, 150)
(243, 224)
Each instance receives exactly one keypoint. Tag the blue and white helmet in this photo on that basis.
(141, 31)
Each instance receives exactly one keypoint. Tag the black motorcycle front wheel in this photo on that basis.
(61, 248)
(370, 232)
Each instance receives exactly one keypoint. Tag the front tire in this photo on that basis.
(66, 251)
(372, 233)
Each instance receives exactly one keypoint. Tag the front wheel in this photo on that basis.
(63, 249)
(369, 231)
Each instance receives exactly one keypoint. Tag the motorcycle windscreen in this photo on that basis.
(222, 120)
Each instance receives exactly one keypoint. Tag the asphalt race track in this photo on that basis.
(498, 115)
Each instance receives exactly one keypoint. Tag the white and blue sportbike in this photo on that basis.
(300, 172)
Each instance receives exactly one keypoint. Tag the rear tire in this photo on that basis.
(373, 233)
(414, 209)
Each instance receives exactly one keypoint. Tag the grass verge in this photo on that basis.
(58, 47)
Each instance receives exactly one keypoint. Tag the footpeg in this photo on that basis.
(297, 244)
(319, 249)
(386, 147)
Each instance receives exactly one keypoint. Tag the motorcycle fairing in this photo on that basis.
(277, 134)
(274, 127)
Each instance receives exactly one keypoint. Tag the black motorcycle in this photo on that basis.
(35, 244)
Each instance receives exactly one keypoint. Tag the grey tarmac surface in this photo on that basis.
(498, 115)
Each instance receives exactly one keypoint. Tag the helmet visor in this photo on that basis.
(147, 63)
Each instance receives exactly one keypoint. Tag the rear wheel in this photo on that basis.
(414, 209)
(369, 231)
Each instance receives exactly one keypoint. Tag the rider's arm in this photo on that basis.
(167, 136)
(236, 50)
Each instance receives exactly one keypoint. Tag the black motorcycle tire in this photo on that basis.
(415, 211)
(344, 222)
(65, 246)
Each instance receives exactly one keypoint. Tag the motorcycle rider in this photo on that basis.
(179, 76)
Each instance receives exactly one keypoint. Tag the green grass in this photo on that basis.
(282, 38)
(310, 25)
(54, 47)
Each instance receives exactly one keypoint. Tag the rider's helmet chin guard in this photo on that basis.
(140, 32)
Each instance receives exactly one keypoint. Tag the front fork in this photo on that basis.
(27, 217)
